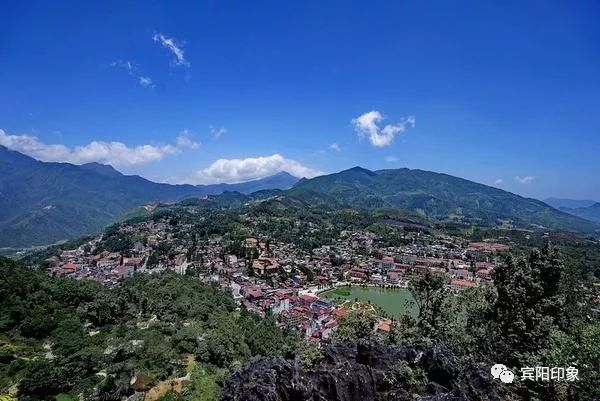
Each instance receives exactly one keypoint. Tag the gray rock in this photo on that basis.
(356, 372)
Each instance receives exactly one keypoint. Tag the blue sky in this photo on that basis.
(201, 92)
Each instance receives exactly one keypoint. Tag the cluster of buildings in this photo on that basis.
(400, 269)
(279, 279)
(105, 267)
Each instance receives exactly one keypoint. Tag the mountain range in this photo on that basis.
(591, 212)
(564, 203)
(586, 209)
(41, 203)
(436, 196)
(416, 195)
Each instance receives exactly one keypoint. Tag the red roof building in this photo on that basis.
(307, 299)
(461, 284)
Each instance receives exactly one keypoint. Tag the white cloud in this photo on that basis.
(184, 141)
(217, 133)
(368, 125)
(251, 168)
(127, 65)
(499, 181)
(174, 47)
(114, 153)
(132, 69)
(525, 180)
(146, 82)
(391, 159)
(335, 146)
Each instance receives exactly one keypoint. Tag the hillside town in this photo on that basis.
(270, 277)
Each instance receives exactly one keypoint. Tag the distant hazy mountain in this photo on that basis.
(558, 203)
(41, 203)
(591, 213)
(436, 196)
(281, 180)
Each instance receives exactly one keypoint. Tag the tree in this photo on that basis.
(526, 310)
(69, 337)
(473, 268)
(579, 350)
(466, 324)
(411, 379)
(43, 378)
(311, 357)
(104, 309)
(356, 325)
(38, 323)
(6, 354)
(429, 292)
(223, 344)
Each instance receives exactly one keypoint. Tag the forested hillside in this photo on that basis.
(41, 203)
(436, 196)
(78, 337)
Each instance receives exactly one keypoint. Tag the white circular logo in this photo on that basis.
(500, 371)
(507, 376)
(497, 369)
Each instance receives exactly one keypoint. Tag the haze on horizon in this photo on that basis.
(209, 92)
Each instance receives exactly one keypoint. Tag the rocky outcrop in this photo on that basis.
(365, 371)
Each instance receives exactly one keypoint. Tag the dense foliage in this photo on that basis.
(78, 337)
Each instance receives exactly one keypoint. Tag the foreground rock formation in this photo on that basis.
(366, 371)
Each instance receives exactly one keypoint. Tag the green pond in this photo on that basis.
(390, 300)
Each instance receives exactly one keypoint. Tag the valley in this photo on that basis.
(279, 277)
